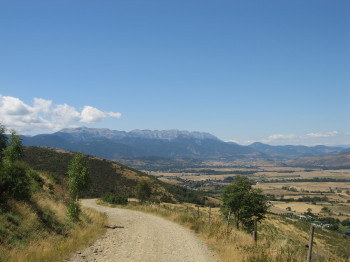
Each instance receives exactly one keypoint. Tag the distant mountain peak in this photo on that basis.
(170, 134)
(85, 133)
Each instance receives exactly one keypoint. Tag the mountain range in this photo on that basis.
(341, 160)
(113, 144)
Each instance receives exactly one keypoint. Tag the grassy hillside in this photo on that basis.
(107, 176)
(38, 229)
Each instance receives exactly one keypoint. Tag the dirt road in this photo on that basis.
(142, 237)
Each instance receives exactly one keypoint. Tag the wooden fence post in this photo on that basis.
(255, 232)
(209, 215)
(228, 220)
(197, 211)
(309, 255)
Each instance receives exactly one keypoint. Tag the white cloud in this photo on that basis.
(64, 114)
(332, 138)
(232, 141)
(13, 106)
(44, 116)
(280, 137)
(328, 134)
(310, 139)
(92, 115)
(42, 105)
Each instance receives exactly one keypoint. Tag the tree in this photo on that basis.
(13, 177)
(309, 212)
(244, 203)
(143, 190)
(3, 140)
(14, 151)
(78, 181)
(346, 222)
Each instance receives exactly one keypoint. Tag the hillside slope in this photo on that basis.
(106, 175)
(38, 228)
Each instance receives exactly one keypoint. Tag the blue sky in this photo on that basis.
(271, 71)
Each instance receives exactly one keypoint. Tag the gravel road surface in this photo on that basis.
(142, 237)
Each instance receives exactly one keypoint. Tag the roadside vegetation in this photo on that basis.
(280, 238)
(34, 222)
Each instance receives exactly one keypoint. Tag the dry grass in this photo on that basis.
(57, 247)
(299, 207)
(279, 239)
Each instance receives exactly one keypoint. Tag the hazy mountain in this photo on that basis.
(84, 133)
(341, 160)
(295, 152)
(114, 144)
(100, 147)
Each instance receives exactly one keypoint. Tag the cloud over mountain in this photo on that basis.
(43, 115)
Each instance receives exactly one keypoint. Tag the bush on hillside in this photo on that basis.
(114, 199)
(73, 211)
(143, 190)
(14, 180)
(346, 222)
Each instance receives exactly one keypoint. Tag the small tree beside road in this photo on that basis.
(143, 191)
(78, 181)
(244, 203)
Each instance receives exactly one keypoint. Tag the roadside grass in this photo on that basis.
(39, 229)
(42, 245)
(279, 238)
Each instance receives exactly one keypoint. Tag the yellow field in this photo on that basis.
(299, 207)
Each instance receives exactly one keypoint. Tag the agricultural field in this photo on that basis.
(294, 190)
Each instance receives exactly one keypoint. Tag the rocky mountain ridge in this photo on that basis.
(83, 133)
(113, 144)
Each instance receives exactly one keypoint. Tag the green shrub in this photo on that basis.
(346, 222)
(143, 190)
(15, 181)
(73, 210)
(114, 199)
(12, 218)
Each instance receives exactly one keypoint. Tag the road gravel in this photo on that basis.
(142, 237)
